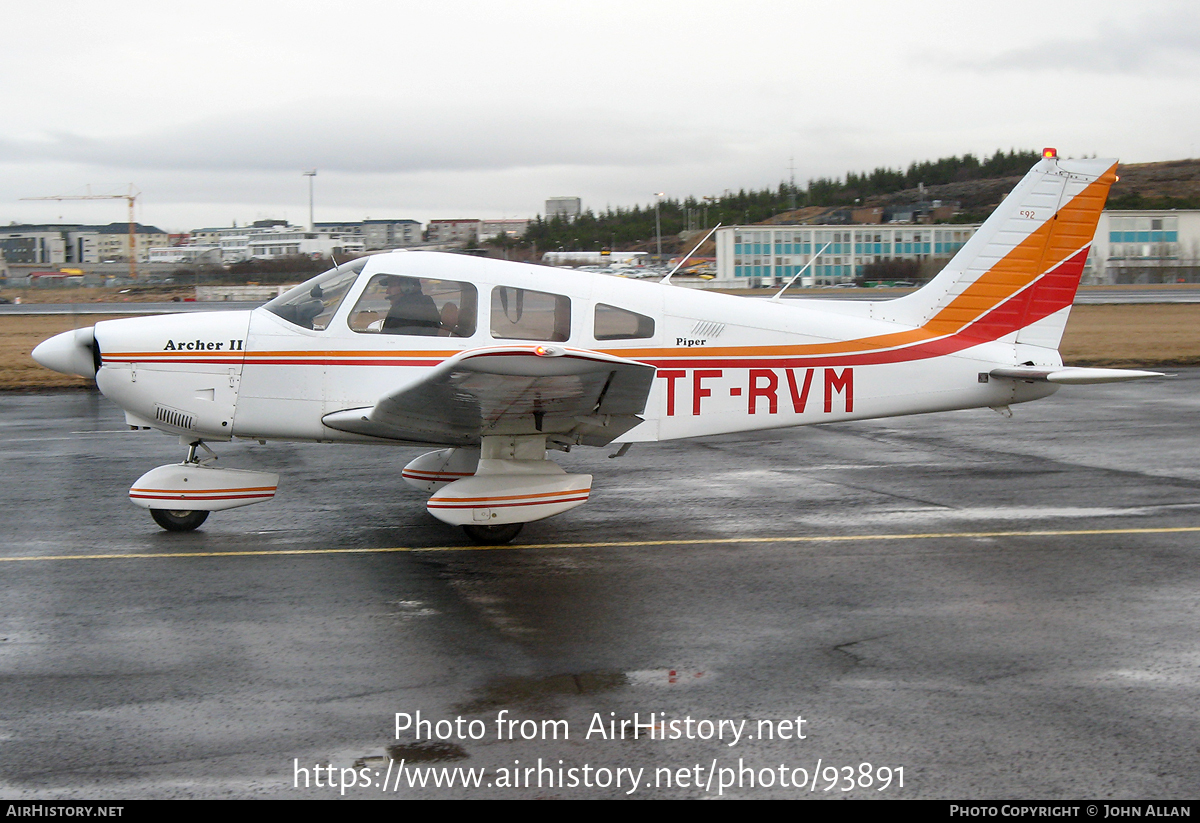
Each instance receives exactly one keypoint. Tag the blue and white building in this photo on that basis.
(1145, 247)
(752, 256)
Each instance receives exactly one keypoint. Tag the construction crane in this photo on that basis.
(130, 198)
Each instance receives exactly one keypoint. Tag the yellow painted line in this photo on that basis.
(617, 544)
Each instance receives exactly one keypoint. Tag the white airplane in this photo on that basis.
(497, 362)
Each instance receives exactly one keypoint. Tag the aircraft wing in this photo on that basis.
(571, 395)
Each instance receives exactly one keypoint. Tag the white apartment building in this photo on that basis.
(378, 234)
(512, 227)
(270, 245)
(186, 254)
(567, 208)
(265, 240)
(454, 231)
(391, 234)
(102, 244)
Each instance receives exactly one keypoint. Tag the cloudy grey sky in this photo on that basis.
(483, 109)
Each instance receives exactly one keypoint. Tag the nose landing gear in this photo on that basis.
(179, 520)
(181, 495)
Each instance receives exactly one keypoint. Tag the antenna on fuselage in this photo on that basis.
(802, 270)
(688, 256)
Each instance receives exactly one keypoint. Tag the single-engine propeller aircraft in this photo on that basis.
(495, 362)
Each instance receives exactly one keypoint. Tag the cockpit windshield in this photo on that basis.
(314, 302)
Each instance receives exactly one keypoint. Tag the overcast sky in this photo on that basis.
(483, 109)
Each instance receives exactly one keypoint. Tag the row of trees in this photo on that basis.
(1136, 200)
(626, 227)
(931, 173)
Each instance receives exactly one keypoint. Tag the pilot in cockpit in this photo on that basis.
(412, 311)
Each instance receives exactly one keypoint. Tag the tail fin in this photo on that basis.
(1016, 278)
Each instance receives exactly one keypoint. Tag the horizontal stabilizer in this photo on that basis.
(1069, 376)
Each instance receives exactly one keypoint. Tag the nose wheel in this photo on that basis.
(493, 535)
(178, 521)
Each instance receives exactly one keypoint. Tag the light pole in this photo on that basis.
(312, 226)
(658, 223)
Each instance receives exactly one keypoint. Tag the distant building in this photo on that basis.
(186, 254)
(54, 245)
(927, 211)
(594, 258)
(392, 234)
(213, 236)
(269, 245)
(43, 245)
(1151, 246)
(265, 240)
(566, 207)
(205, 237)
(454, 231)
(770, 255)
(102, 244)
(1144, 246)
(333, 227)
(510, 227)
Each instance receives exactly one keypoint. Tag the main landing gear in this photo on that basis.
(178, 521)
(494, 490)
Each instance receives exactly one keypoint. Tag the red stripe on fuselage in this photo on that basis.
(1049, 293)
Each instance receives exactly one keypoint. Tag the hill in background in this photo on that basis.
(1172, 184)
(1166, 185)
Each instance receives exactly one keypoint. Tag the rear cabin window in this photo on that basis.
(620, 324)
(399, 304)
(522, 314)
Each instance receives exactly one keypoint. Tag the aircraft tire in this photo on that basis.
(494, 535)
(178, 521)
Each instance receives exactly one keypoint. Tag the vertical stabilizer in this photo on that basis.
(1020, 271)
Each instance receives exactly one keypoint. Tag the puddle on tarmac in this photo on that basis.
(505, 691)
(426, 751)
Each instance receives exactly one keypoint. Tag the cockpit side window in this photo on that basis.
(400, 304)
(522, 314)
(313, 303)
(613, 323)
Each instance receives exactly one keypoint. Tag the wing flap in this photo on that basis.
(575, 395)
